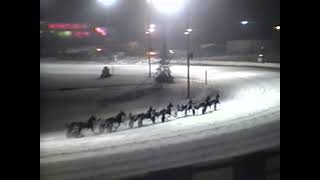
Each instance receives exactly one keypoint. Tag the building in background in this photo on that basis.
(71, 30)
(58, 38)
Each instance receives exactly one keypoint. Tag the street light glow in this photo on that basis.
(189, 30)
(151, 30)
(107, 2)
(244, 22)
(186, 32)
(152, 26)
(277, 28)
(152, 53)
(167, 6)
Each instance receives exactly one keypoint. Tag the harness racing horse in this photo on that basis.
(151, 114)
(74, 129)
(155, 115)
(117, 119)
(141, 117)
(169, 107)
(134, 118)
(181, 109)
(211, 102)
(215, 102)
(204, 106)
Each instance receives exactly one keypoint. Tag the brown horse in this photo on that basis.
(108, 124)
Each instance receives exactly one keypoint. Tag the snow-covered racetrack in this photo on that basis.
(248, 119)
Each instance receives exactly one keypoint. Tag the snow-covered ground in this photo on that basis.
(208, 61)
(247, 120)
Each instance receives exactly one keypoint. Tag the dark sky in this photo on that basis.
(212, 20)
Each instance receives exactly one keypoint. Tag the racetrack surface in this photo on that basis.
(247, 120)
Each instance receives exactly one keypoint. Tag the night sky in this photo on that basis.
(212, 20)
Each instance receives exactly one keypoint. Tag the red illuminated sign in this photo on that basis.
(101, 30)
(70, 26)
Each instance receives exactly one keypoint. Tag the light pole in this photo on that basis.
(166, 7)
(164, 56)
(188, 63)
(149, 51)
(277, 28)
(151, 29)
(149, 40)
(107, 3)
(244, 22)
(188, 33)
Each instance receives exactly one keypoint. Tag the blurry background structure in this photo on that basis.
(222, 29)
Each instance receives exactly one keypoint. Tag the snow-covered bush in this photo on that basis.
(105, 72)
(163, 74)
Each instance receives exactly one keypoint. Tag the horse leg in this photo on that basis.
(118, 126)
(79, 135)
(92, 128)
(101, 128)
(98, 127)
(140, 122)
(69, 131)
(74, 131)
(110, 127)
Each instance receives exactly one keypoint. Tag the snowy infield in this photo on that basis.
(247, 120)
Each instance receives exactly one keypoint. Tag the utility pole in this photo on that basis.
(149, 41)
(188, 49)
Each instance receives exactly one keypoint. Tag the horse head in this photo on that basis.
(121, 114)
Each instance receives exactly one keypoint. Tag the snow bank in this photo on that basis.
(197, 61)
(226, 63)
